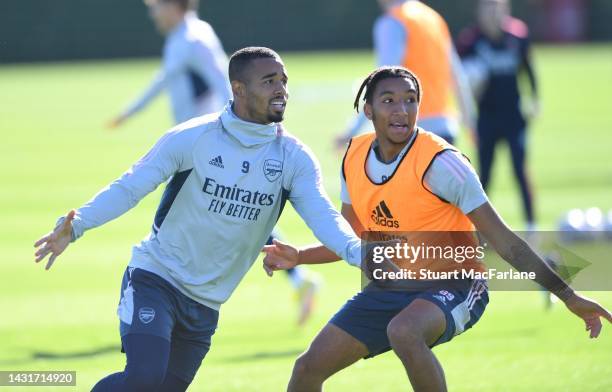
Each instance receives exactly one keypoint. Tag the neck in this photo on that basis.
(242, 113)
(176, 22)
(389, 150)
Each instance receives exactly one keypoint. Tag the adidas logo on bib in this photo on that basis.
(381, 215)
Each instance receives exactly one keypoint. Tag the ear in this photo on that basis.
(367, 110)
(238, 89)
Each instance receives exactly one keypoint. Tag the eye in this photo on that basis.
(268, 81)
(387, 100)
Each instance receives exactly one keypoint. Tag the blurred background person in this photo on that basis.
(413, 35)
(496, 52)
(194, 64)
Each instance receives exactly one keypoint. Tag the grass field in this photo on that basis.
(56, 153)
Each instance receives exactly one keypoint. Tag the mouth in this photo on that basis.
(399, 126)
(278, 104)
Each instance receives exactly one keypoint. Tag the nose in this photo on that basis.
(281, 89)
(401, 107)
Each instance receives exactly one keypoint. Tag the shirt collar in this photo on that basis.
(249, 134)
(375, 150)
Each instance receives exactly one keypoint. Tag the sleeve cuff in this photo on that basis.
(466, 209)
(77, 230)
(354, 254)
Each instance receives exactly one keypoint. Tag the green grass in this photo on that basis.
(56, 154)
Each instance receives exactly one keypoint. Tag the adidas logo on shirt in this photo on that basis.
(217, 161)
(381, 215)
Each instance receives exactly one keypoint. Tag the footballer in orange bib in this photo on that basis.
(403, 180)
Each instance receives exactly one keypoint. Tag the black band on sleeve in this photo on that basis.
(344, 158)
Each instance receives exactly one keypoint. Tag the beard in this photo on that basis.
(276, 117)
(263, 114)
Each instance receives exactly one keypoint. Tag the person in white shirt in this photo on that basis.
(228, 176)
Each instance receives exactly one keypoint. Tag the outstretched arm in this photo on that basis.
(155, 87)
(518, 253)
(154, 168)
(311, 202)
(176, 56)
(281, 255)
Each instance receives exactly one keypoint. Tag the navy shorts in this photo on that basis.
(151, 305)
(367, 314)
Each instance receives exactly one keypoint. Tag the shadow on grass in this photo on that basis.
(51, 356)
(54, 356)
(76, 354)
(265, 355)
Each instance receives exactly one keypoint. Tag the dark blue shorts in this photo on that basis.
(367, 314)
(151, 305)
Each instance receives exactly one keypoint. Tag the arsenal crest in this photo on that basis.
(272, 169)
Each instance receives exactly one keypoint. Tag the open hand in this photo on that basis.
(590, 311)
(55, 242)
